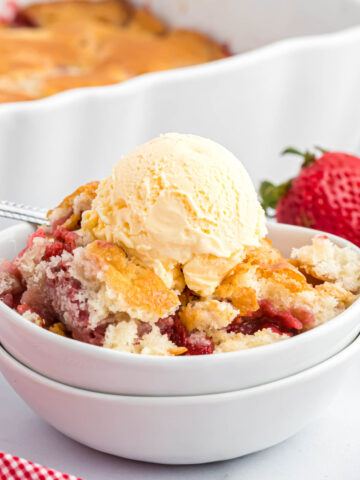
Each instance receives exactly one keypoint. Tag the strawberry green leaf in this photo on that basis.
(271, 194)
(308, 157)
(292, 150)
(322, 150)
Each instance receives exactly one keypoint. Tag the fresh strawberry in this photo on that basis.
(325, 195)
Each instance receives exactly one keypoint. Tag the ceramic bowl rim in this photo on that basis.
(258, 390)
(103, 353)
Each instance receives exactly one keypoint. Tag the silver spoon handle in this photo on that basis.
(22, 212)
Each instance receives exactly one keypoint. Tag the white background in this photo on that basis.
(328, 449)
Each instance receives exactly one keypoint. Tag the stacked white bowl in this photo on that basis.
(177, 410)
(203, 408)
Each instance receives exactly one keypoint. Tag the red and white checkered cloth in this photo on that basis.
(15, 468)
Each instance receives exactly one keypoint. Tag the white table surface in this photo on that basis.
(328, 449)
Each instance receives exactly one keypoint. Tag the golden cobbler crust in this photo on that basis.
(82, 43)
(114, 12)
(137, 285)
(71, 208)
(8, 97)
(239, 285)
(325, 261)
(266, 275)
(265, 253)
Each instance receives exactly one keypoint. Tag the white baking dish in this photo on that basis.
(99, 369)
(301, 91)
(245, 24)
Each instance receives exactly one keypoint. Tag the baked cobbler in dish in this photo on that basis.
(56, 46)
(97, 274)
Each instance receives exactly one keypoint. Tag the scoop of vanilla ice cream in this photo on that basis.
(183, 205)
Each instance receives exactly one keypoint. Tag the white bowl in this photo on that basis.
(183, 430)
(99, 369)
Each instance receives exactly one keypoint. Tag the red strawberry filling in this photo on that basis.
(8, 299)
(63, 299)
(54, 249)
(63, 240)
(143, 328)
(197, 343)
(174, 329)
(282, 322)
(64, 293)
(68, 301)
(68, 237)
(22, 20)
(11, 297)
(30, 240)
(24, 308)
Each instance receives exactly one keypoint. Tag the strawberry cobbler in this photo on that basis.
(102, 280)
